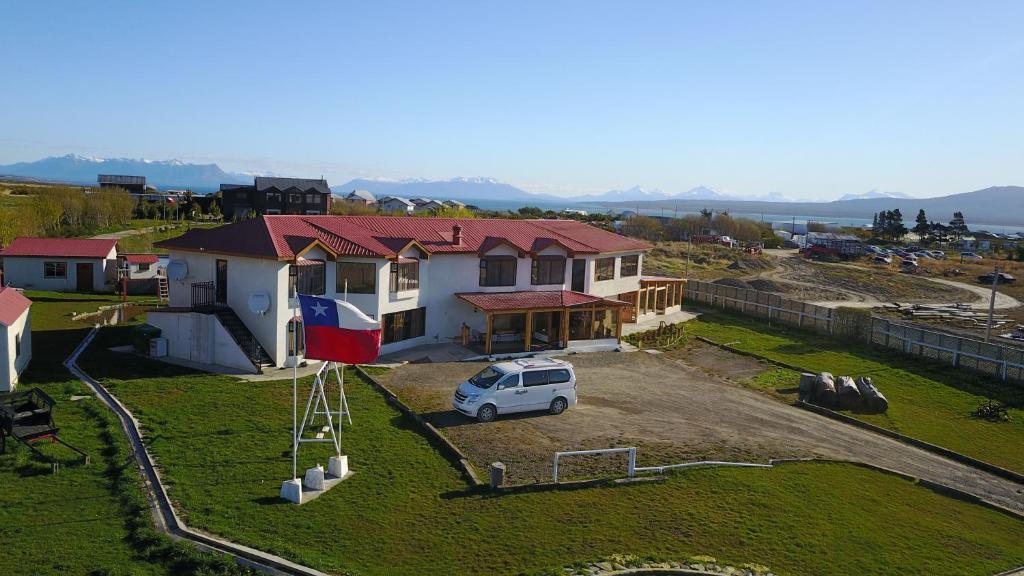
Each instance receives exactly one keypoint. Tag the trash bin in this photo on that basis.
(141, 335)
(497, 474)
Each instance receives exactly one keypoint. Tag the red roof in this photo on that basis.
(60, 247)
(530, 300)
(12, 305)
(141, 258)
(284, 237)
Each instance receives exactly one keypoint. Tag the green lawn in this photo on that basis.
(86, 519)
(223, 446)
(928, 401)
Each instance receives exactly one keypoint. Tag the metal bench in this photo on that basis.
(27, 417)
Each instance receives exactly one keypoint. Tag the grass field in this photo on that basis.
(86, 519)
(706, 261)
(931, 402)
(223, 446)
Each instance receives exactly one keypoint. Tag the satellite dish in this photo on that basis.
(177, 270)
(259, 303)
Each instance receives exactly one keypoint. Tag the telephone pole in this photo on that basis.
(992, 304)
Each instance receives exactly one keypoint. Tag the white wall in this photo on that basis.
(12, 366)
(27, 273)
(199, 338)
(616, 286)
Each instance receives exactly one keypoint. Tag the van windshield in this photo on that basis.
(486, 378)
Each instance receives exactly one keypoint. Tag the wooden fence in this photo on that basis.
(996, 360)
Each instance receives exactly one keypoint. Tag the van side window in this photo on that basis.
(510, 381)
(535, 378)
(559, 376)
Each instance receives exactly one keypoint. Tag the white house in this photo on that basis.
(361, 197)
(486, 283)
(15, 337)
(61, 264)
(396, 204)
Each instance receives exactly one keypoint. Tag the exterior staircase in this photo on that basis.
(245, 339)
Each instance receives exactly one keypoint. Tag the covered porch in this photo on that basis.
(530, 321)
(658, 295)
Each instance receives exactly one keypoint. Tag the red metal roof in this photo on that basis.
(284, 237)
(530, 300)
(12, 305)
(60, 247)
(141, 258)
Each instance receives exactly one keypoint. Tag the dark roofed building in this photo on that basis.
(135, 184)
(271, 195)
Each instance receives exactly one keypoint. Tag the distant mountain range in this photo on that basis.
(75, 169)
(997, 205)
(454, 188)
(876, 193)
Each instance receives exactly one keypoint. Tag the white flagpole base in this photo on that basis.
(337, 466)
(314, 479)
(291, 490)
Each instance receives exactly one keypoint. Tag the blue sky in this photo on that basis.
(811, 99)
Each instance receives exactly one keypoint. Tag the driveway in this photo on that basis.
(675, 407)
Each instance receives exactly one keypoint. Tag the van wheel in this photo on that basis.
(558, 405)
(486, 413)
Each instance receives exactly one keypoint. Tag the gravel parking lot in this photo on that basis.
(675, 407)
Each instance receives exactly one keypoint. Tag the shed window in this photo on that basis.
(361, 277)
(604, 269)
(55, 269)
(547, 270)
(498, 271)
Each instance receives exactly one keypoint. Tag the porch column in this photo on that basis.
(565, 327)
(617, 314)
(529, 330)
(636, 306)
(487, 338)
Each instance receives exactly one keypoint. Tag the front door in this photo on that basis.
(579, 274)
(222, 281)
(83, 275)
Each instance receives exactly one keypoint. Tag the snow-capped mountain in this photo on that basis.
(77, 169)
(875, 193)
(463, 188)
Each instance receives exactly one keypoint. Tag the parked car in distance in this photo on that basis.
(908, 265)
(1004, 278)
(880, 259)
(523, 385)
(969, 256)
(938, 254)
(923, 254)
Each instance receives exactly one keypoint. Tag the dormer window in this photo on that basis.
(547, 270)
(405, 275)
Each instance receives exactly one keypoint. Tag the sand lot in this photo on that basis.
(674, 407)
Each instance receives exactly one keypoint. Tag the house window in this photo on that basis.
(604, 269)
(274, 197)
(296, 337)
(361, 277)
(630, 266)
(295, 198)
(273, 211)
(312, 198)
(405, 276)
(55, 269)
(241, 195)
(498, 271)
(403, 325)
(547, 270)
(144, 267)
(309, 278)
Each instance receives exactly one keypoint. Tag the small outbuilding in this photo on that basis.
(15, 337)
(396, 204)
(364, 197)
(61, 264)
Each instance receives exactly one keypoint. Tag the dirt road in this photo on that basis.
(674, 407)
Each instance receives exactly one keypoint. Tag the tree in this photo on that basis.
(643, 227)
(958, 226)
(531, 212)
(896, 227)
(874, 221)
(922, 227)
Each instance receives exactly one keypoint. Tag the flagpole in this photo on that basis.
(295, 383)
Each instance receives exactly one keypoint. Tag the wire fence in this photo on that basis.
(996, 360)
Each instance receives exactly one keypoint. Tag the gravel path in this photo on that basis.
(675, 407)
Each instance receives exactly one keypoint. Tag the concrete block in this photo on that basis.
(291, 490)
(337, 466)
(314, 479)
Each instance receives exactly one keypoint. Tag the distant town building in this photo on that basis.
(364, 197)
(454, 204)
(426, 204)
(791, 226)
(301, 196)
(396, 204)
(134, 184)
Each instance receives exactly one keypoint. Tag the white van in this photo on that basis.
(518, 386)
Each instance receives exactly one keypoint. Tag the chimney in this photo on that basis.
(456, 235)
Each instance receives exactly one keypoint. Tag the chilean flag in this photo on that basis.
(337, 331)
